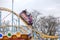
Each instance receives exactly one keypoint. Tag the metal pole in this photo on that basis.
(18, 23)
(0, 18)
(12, 15)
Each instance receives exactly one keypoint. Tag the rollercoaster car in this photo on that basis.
(27, 18)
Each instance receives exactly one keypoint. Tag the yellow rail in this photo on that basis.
(43, 35)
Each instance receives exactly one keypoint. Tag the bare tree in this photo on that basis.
(45, 24)
(35, 15)
(48, 25)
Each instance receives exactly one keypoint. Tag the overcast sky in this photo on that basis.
(46, 7)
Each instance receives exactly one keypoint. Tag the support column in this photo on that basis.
(18, 23)
(12, 16)
(0, 18)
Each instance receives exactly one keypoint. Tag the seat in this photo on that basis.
(18, 34)
(5, 38)
(24, 36)
(0, 39)
(14, 37)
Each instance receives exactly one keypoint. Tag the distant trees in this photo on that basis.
(49, 25)
(45, 24)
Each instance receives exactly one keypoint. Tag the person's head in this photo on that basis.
(24, 11)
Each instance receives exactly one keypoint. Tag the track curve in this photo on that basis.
(43, 35)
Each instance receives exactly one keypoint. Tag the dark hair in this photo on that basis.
(24, 11)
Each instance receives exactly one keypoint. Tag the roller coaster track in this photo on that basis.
(29, 26)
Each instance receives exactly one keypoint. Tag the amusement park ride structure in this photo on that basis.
(28, 26)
